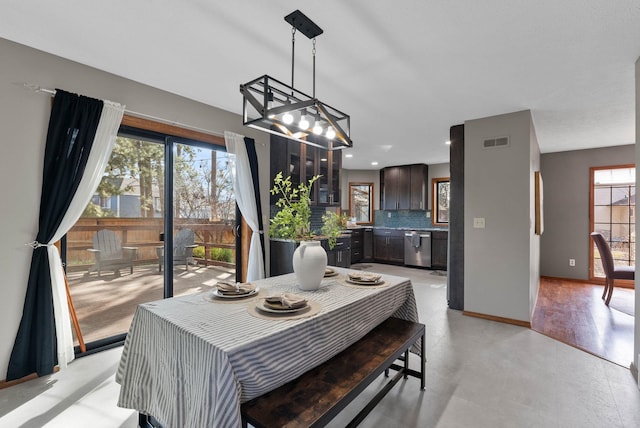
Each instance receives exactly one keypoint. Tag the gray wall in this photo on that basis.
(534, 240)
(24, 117)
(438, 170)
(499, 260)
(359, 176)
(566, 178)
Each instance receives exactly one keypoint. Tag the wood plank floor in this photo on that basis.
(574, 313)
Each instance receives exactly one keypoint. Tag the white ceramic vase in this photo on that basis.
(309, 264)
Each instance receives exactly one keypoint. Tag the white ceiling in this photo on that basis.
(405, 70)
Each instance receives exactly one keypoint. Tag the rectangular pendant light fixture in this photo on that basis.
(272, 106)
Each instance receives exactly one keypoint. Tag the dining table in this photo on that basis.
(190, 361)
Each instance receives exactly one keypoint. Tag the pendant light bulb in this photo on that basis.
(304, 122)
(331, 133)
(287, 118)
(317, 128)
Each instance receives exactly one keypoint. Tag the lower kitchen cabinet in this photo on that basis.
(439, 243)
(340, 255)
(281, 256)
(357, 236)
(367, 244)
(388, 245)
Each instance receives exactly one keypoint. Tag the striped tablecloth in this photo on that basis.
(190, 362)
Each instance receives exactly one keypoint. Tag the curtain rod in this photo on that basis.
(52, 92)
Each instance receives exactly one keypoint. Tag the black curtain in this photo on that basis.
(253, 163)
(72, 128)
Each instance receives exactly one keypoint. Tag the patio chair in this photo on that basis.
(109, 254)
(183, 245)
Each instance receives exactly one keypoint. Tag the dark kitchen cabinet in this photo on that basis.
(301, 162)
(357, 236)
(439, 247)
(394, 188)
(328, 186)
(418, 186)
(340, 255)
(388, 245)
(367, 244)
(281, 259)
(404, 187)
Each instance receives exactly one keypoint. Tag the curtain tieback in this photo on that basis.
(36, 244)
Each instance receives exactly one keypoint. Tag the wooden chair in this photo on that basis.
(109, 254)
(183, 245)
(611, 271)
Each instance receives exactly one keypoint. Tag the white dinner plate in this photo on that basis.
(217, 293)
(260, 305)
(353, 281)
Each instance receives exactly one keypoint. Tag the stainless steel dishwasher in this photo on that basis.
(417, 249)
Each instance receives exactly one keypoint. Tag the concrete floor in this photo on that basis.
(479, 374)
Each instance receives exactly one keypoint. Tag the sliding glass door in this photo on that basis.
(203, 219)
(161, 224)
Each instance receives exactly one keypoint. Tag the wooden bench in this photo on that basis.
(316, 397)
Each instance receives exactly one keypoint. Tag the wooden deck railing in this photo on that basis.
(144, 234)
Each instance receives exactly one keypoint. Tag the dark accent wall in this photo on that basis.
(455, 283)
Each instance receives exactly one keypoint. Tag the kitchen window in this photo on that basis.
(440, 201)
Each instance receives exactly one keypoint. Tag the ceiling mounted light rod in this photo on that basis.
(269, 105)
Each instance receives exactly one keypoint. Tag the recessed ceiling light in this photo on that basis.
(348, 155)
(448, 143)
(374, 163)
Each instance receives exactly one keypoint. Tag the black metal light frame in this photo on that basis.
(266, 99)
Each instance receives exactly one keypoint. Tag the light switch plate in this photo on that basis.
(478, 222)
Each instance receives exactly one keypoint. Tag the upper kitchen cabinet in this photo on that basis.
(328, 187)
(404, 187)
(419, 186)
(302, 162)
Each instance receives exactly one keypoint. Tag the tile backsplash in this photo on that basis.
(403, 218)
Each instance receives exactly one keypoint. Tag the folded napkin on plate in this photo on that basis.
(288, 300)
(364, 276)
(232, 287)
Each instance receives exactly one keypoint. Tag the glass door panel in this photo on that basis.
(613, 214)
(204, 218)
(323, 181)
(111, 252)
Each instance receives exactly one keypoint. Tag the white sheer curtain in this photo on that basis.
(245, 197)
(106, 133)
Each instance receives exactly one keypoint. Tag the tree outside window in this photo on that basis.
(440, 203)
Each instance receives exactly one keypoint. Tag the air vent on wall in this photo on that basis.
(494, 143)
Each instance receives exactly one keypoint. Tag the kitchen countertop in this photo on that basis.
(444, 229)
